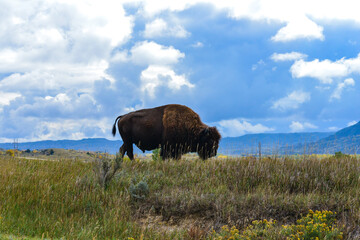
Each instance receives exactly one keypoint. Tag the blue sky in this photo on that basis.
(67, 69)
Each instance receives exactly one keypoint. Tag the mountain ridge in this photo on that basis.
(346, 140)
(228, 145)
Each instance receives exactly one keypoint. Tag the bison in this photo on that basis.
(175, 129)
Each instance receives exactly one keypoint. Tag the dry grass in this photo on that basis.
(58, 199)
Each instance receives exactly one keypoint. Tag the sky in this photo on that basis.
(69, 68)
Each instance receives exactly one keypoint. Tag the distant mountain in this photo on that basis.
(353, 130)
(346, 140)
(247, 144)
(271, 143)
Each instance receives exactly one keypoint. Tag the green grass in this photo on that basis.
(61, 199)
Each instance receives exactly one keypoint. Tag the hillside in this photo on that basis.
(346, 140)
(88, 144)
(350, 131)
(270, 142)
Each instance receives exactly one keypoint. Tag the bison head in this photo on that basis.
(208, 142)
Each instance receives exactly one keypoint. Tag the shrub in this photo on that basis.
(259, 229)
(10, 152)
(48, 152)
(140, 190)
(104, 170)
(156, 155)
(340, 155)
(315, 225)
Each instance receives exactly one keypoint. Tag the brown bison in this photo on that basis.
(176, 129)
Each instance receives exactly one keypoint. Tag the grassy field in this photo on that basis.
(185, 199)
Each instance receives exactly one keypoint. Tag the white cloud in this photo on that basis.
(333, 129)
(156, 28)
(351, 123)
(159, 60)
(65, 23)
(258, 64)
(294, 14)
(160, 28)
(326, 70)
(279, 57)
(296, 126)
(155, 76)
(299, 17)
(74, 129)
(55, 43)
(275, 10)
(146, 53)
(197, 45)
(106, 19)
(302, 28)
(48, 49)
(62, 105)
(7, 97)
(120, 56)
(291, 101)
(35, 129)
(340, 87)
(235, 127)
(79, 76)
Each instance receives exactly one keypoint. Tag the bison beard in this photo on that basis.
(176, 129)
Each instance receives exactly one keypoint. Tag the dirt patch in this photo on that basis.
(193, 226)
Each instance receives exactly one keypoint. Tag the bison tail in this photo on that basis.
(114, 126)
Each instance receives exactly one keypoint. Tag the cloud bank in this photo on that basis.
(68, 68)
(236, 127)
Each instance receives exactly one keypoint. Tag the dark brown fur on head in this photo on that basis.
(208, 142)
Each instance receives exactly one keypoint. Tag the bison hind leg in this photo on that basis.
(130, 151)
(128, 148)
(122, 150)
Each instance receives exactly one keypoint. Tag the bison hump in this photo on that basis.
(181, 121)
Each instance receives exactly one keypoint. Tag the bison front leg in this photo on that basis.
(164, 153)
(176, 155)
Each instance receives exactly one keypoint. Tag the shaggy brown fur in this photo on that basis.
(176, 129)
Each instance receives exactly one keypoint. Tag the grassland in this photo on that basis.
(187, 198)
